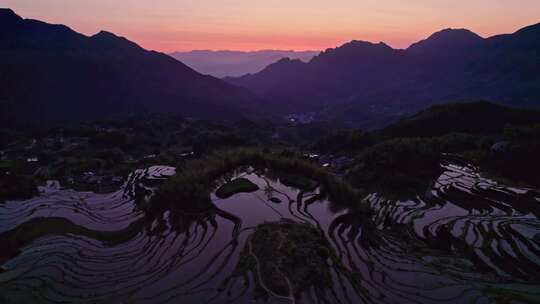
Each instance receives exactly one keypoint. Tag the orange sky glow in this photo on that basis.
(180, 25)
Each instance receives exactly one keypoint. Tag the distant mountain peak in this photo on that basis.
(461, 34)
(285, 63)
(447, 40)
(7, 12)
(454, 32)
(353, 50)
(109, 39)
(380, 43)
(7, 16)
(105, 34)
(364, 44)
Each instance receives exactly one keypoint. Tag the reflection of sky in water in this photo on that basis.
(426, 250)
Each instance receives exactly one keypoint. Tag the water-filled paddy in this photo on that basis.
(468, 239)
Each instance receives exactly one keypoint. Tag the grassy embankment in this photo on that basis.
(192, 185)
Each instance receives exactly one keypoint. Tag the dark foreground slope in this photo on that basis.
(478, 118)
(504, 142)
(364, 82)
(51, 73)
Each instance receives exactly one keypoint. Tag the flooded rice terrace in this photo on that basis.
(468, 240)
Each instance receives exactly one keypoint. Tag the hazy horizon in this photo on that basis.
(170, 26)
(225, 63)
(244, 51)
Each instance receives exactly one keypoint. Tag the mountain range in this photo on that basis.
(236, 63)
(50, 73)
(370, 84)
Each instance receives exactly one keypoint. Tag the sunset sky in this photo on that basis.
(170, 25)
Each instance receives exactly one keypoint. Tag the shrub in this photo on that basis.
(398, 167)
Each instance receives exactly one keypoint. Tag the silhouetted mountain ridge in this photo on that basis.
(370, 84)
(8, 16)
(51, 73)
(447, 41)
(477, 117)
(109, 40)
